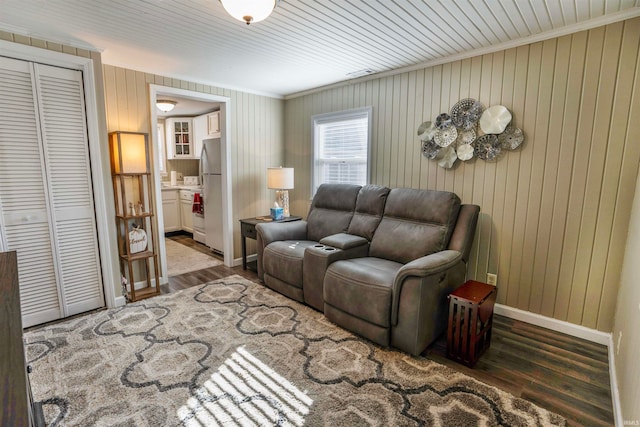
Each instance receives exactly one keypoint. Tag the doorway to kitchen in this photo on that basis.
(191, 152)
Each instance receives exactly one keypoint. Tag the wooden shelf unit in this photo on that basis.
(134, 189)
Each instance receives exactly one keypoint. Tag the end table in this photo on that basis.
(470, 321)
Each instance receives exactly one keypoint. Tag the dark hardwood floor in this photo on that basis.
(563, 374)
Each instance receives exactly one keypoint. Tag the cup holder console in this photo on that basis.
(329, 249)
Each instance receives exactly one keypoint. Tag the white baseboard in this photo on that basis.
(120, 301)
(554, 324)
(577, 331)
(613, 378)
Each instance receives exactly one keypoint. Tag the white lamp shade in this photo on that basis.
(129, 152)
(280, 178)
(249, 11)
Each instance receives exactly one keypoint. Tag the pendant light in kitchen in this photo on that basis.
(249, 11)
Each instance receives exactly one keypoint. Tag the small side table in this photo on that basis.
(248, 230)
(470, 321)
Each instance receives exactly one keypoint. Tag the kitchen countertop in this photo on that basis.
(168, 187)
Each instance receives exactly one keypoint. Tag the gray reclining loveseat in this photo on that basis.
(379, 262)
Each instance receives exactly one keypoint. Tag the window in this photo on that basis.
(341, 144)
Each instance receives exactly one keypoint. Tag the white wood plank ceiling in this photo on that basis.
(304, 44)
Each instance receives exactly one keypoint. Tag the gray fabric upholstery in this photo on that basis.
(369, 210)
(274, 231)
(317, 259)
(344, 241)
(283, 260)
(378, 334)
(415, 223)
(284, 288)
(331, 210)
(362, 287)
(385, 265)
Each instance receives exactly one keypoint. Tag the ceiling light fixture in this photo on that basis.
(165, 105)
(249, 11)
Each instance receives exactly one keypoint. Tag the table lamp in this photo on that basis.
(281, 180)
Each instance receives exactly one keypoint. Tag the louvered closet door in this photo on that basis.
(46, 199)
(66, 155)
(23, 198)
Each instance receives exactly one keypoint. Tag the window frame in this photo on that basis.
(319, 119)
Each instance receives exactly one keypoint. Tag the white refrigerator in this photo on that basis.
(211, 178)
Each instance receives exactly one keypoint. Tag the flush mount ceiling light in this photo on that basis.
(249, 11)
(165, 105)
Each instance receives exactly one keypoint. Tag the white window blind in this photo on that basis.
(341, 147)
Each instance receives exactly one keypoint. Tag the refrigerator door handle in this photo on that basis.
(200, 168)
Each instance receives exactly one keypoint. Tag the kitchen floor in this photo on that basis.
(186, 239)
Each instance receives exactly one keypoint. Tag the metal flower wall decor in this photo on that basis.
(467, 131)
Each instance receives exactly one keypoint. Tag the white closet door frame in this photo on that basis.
(100, 166)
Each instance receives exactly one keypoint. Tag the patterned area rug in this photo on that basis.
(182, 259)
(232, 352)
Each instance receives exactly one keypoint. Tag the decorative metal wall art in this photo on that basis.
(469, 131)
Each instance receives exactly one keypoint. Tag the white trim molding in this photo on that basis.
(572, 329)
(227, 143)
(592, 335)
(613, 379)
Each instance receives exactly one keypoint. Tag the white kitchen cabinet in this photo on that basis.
(186, 215)
(213, 124)
(199, 133)
(179, 138)
(171, 210)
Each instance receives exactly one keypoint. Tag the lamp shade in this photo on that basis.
(280, 178)
(129, 152)
(249, 11)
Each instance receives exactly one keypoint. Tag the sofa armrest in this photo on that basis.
(344, 241)
(275, 231)
(423, 267)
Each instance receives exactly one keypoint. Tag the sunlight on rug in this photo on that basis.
(182, 259)
(245, 391)
(233, 352)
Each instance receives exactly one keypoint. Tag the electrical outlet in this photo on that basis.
(618, 344)
(179, 176)
(492, 279)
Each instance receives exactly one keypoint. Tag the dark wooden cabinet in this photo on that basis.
(15, 392)
(470, 321)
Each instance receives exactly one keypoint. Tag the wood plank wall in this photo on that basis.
(257, 139)
(555, 213)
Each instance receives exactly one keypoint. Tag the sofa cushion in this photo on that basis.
(369, 210)
(415, 223)
(362, 287)
(331, 210)
(283, 260)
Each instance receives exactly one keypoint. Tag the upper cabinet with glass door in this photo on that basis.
(179, 138)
